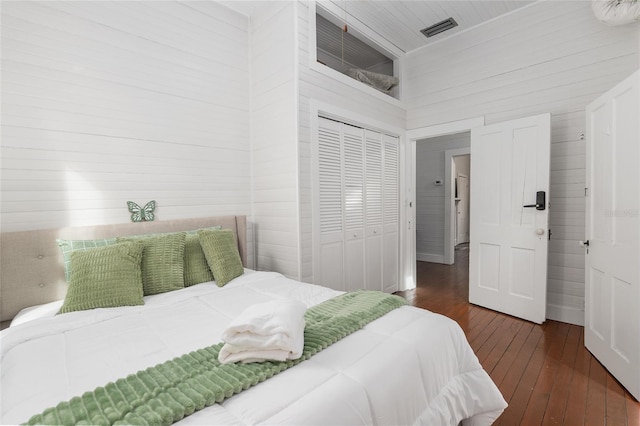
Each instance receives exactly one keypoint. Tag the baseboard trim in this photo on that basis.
(428, 257)
(565, 314)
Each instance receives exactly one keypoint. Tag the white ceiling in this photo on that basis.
(400, 21)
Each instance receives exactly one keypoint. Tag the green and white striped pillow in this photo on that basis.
(69, 246)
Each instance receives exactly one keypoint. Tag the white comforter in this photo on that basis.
(409, 367)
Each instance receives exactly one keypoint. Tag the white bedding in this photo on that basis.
(409, 367)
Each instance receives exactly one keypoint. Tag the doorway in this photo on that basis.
(442, 196)
(508, 254)
(458, 200)
(410, 176)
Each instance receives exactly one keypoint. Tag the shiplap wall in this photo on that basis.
(430, 165)
(549, 57)
(322, 88)
(104, 102)
(274, 148)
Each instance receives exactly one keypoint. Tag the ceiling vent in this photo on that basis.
(441, 26)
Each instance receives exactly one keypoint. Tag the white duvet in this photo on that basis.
(409, 367)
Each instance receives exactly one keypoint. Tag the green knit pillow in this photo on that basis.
(196, 268)
(221, 250)
(69, 246)
(105, 277)
(162, 261)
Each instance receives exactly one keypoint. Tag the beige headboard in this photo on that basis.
(32, 269)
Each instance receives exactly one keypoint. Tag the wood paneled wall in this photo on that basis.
(274, 148)
(548, 57)
(207, 111)
(104, 102)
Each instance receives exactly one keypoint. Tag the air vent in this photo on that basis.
(445, 25)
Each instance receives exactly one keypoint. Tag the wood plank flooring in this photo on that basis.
(543, 371)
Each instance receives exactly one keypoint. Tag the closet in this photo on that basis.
(356, 192)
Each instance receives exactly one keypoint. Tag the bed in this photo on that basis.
(410, 366)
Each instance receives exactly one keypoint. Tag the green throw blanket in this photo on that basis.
(168, 392)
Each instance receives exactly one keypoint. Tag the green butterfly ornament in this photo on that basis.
(142, 214)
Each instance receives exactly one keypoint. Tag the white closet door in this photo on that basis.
(357, 201)
(374, 209)
(331, 250)
(391, 252)
(353, 172)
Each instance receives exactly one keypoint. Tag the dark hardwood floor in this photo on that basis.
(543, 371)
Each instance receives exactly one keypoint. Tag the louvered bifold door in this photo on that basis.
(353, 187)
(373, 209)
(390, 218)
(357, 198)
(331, 248)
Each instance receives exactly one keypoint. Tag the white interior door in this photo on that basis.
(462, 210)
(354, 220)
(329, 271)
(373, 202)
(508, 242)
(612, 263)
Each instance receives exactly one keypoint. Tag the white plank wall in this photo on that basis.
(549, 57)
(430, 165)
(207, 111)
(322, 88)
(104, 102)
(274, 145)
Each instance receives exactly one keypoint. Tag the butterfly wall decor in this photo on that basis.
(142, 214)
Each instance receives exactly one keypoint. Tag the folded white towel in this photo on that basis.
(266, 331)
(233, 353)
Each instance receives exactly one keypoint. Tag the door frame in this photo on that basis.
(449, 203)
(412, 136)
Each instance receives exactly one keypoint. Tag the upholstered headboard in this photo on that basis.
(32, 269)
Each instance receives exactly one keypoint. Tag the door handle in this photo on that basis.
(584, 243)
(540, 201)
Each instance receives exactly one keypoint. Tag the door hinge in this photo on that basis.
(586, 192)
(549, 234)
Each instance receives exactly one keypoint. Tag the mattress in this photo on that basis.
(410, 366)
